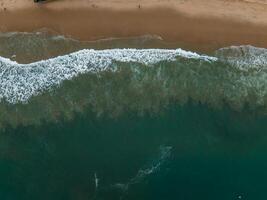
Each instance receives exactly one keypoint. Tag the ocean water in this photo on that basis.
(130, 119)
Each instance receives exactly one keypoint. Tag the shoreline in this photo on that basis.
(192, 30)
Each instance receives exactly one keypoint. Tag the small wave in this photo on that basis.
(19, 82)
(45, 43)
(50, 34)
(244, 57)
(146, 37)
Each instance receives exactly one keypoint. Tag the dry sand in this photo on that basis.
(202, 24)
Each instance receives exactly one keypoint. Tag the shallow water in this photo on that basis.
(130, 123)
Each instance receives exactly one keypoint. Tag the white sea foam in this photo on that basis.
(19, 82)
(245, 57)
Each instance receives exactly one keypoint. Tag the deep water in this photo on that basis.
(186, 152)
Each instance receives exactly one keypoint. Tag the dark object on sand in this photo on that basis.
(36, 1)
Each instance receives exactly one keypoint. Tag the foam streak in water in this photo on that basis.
(165, 153)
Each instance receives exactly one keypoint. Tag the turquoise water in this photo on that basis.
(131, 124)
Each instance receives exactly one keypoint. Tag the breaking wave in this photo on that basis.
(244, 57)
(19, 82)
(132, 80)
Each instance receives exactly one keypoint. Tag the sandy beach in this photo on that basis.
(205, 25)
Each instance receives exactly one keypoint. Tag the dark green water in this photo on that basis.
(186, 152)
(185, 128)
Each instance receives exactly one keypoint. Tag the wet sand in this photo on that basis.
(205, 25)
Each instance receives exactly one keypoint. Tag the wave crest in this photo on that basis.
(19, 82)
(129, 80)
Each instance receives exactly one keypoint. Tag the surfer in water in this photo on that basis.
(96, 181)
